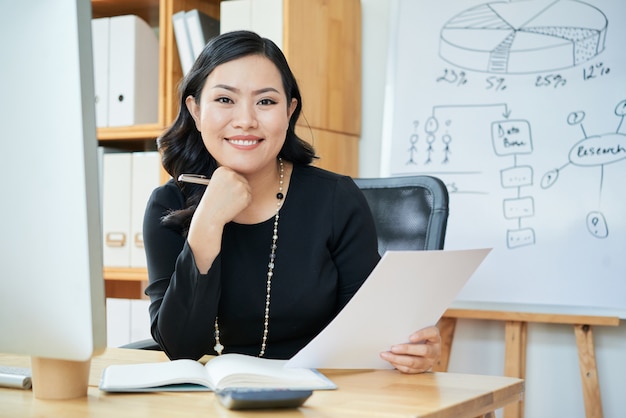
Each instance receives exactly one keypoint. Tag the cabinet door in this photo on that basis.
(322, 41)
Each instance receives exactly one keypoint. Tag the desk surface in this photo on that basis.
(387, 393)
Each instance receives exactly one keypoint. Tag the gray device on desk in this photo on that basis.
(253, 398)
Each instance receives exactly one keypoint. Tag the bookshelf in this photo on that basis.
(322, 42)
(129, 282)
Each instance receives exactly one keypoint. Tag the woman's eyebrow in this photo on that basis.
(236, 90)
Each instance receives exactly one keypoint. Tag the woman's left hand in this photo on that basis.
(419, 354)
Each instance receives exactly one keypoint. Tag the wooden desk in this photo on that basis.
(379, 393)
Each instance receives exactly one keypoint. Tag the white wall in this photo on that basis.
(553, 382)
(375, 29)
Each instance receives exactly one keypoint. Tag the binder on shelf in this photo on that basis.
(235, 15)
(192, 30)
(127, 180)
(100, 47)
(116, 196)
(133, 72)
(267, 19)
(128, 320)
(201, 28)
(146, 174)
(264, 17)
(183, 43)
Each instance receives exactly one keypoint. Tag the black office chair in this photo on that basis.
(410, 213)
(147, 344)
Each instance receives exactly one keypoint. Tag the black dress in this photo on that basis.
(326, 248)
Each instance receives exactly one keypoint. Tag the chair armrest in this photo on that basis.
(147, 344)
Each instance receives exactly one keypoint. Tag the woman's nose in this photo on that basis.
(244, 116)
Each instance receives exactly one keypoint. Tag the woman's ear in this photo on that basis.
(194, 110)
(292, 108)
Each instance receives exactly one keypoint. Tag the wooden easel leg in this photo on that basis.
(588, 371)
(446, 329)
(515, 334)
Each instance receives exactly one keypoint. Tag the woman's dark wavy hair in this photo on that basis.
(181, 146)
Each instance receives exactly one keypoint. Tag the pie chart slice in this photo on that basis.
(524, 37)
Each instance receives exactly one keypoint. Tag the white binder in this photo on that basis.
(267, 19)
(146, 173)
(116, 194)
(100, 48)
(201, 28)
(235, 15)
(133, 72)
(264, 17)
(183, 43)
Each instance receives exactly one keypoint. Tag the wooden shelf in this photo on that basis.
(125, 283)
(126, 273)
(148, 10)
(122, 133)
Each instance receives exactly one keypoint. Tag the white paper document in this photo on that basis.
(407, 291)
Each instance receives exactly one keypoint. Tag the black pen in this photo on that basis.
(194, 178)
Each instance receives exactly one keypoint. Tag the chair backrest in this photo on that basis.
(410, 213)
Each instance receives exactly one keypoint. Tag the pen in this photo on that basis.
(193, 178)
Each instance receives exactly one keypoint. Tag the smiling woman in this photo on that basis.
(229, 269)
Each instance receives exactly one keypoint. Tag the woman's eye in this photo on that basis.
(223, 100)
(266, 102)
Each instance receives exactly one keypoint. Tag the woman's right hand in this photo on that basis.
(227, 194)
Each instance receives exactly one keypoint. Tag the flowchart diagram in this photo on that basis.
(509, 138)
(593, 151)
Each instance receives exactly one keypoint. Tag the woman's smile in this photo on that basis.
(244, 141)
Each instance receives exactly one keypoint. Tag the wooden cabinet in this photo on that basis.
(322, 42)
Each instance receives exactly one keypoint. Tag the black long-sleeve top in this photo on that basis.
(326, 249)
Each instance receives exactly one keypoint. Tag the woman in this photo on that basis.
(262, 258)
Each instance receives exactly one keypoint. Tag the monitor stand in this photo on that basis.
(59, 379)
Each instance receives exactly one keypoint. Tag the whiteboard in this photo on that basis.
(518, 106)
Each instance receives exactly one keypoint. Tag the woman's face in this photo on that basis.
(243, 114)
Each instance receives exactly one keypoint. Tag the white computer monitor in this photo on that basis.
(52, 302)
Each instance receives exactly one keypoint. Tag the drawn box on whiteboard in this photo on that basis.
(519, 237)
(511, 137)
(516, 176)
(519, 208)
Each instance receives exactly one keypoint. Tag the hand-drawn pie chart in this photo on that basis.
(524, 37)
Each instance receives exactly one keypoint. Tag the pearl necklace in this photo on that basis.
(270, 269)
